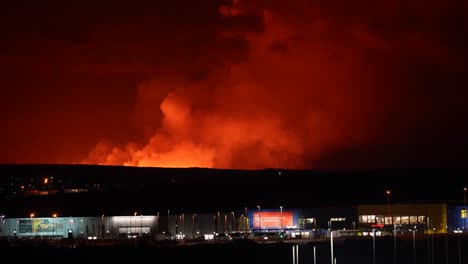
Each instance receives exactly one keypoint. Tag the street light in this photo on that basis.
(193, 225)
(102, 227)
(53, 224)
(459, 249)
(157, 225)
(134, 228)
(246, 219)
(233, 222)
(32, 225)
(464, 196)
(168, 225)
(281, 218)
(259, 220)
(331, 248)
(1, 222)
(388, 202)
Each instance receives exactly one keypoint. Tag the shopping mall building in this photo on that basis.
(248, 223)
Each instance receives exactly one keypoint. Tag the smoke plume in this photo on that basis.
(314, 81)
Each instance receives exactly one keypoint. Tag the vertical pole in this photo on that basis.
(446, 245)
(428, 242)
(331, 246)
(414, 246)
(373, 246)
(432, 247)
(315, 256)
(297, 254)
(281, 218)
(464, 207)
(293, 255)
(394, 244)
(459, 250)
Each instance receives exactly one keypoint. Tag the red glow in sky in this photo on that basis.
(236, 84)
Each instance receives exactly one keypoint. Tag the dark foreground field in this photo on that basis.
(245, 251)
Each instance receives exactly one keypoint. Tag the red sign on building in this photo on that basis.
(272, 220)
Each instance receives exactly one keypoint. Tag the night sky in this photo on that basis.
(322, 84)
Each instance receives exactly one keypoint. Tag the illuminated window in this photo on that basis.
(364, 219)
(421, 219)
(463, 213)
(339, 219)
(388, 220)
(379, 219)
(405, 220)
(397, 220)
(371, 218)
(413, 219)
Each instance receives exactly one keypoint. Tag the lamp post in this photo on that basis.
(1, 222)
(134, 229)
(388, 202)
(157, 225)
(281, 218)
(464, 196)
(53, 223)
(81, 228)
(459, 249)
(193, 225)
(259, 216)
(233, 222)
(246, 219)
(32, 224)
(102, 227)
(432, 245)
(218, 222)
(331, 247)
